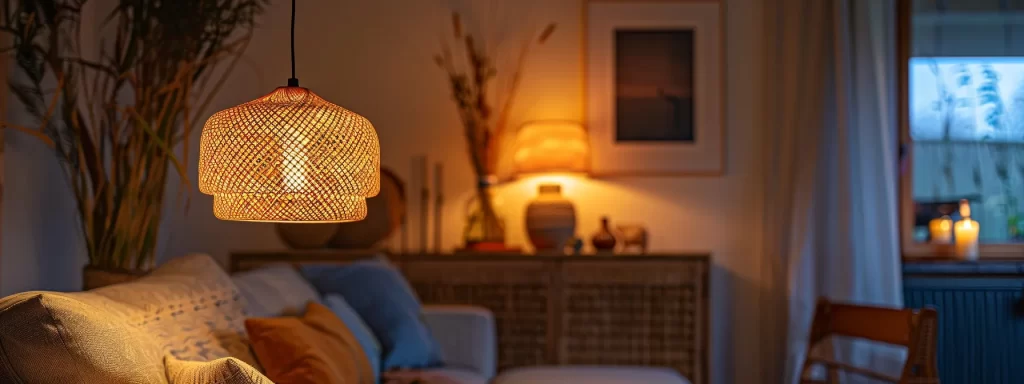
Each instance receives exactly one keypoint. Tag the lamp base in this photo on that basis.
(550, 219)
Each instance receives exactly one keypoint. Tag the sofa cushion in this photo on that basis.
(386, 302)
(316, 348)
(190, 306)
(590, 375)
(453, 376)
(226, 370)
(92, 343)
(276, 290)
(361, 331)
(466, 335)
(435, 376)
(187, 308)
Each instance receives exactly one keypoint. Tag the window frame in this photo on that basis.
(911, 249)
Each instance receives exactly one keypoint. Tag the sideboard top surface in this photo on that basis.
(334, 255)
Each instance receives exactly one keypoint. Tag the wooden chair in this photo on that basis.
(915, 330)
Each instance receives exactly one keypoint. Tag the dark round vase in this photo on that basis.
(604, 239)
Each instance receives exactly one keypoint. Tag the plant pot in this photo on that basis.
(306, 235)
(96, 277)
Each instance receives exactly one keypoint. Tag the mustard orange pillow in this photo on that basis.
(316, 348)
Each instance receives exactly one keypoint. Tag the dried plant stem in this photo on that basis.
(34, 132)
(116, 123)
(483, 125)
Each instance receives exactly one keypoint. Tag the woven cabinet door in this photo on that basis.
(519, 293)
(635, 313)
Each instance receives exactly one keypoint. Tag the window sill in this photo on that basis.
(947, 252)
(946, 266)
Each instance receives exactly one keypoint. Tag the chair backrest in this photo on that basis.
(912, 329)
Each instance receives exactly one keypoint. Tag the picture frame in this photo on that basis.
(654, 87)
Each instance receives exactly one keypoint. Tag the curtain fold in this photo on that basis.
(830, 166)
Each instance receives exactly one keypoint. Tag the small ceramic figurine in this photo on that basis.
(633, 235)
(604, 239)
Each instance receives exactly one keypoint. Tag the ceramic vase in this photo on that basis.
(485, 221)
(604, 240)
(550, 219)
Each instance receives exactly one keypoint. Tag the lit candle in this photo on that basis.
(966, 231)
(941, 230)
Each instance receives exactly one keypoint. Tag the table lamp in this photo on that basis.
(546, 147)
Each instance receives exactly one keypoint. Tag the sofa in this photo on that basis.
(189, 309)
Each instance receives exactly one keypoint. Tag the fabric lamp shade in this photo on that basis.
(289, 156)
(551, 146)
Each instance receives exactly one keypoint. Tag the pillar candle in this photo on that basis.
(966, 232)
(941, 230)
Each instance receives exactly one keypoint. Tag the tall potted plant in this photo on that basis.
(119, 121)
(484, 111)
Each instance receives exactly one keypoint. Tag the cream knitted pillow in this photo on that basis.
(187, 308)
(228, 370)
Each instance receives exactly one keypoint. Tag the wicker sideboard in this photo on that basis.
(622, 310)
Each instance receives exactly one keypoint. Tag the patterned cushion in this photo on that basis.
(187, 308)
(276, 290)
(190, 306)
(227, 370)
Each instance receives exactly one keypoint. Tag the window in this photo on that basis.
(962, 96)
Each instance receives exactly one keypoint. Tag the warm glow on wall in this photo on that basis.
(551, 146)
(570, 182)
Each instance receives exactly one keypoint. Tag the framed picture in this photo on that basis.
(654, 88)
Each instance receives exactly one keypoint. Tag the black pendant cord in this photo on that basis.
(293, 81)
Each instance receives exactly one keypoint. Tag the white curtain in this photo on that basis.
(830, 165)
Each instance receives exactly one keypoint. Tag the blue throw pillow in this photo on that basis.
(388, 305)
(361, 331)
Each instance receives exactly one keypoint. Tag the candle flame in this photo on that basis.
(965, 208)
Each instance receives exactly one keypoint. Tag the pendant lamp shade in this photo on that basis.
(289, 156)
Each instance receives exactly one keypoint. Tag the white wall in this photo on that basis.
(42, 245)
(374, 57)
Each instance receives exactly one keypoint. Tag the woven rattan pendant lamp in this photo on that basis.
(289, 156)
